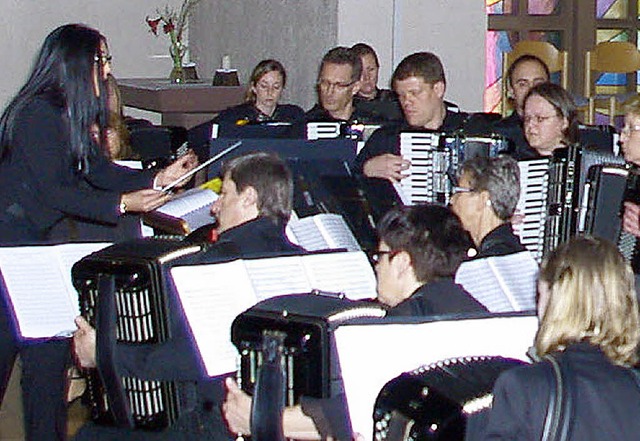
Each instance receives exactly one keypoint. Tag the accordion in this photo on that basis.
(435, 158)
(586, 191)
(437, 401)
(122, 294)
(309, 356)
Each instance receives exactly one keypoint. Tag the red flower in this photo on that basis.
(153, 24)
(168, 27)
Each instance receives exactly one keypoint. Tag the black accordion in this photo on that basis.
(122, 294)
(307, 322)
(435, 158)
(587, 189)
(438, 401)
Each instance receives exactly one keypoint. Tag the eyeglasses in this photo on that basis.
(456, 190)
(376, 256)
(538, 119)
(102, 59)
(325, 84)
(627, 130)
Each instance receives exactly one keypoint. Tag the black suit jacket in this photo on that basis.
(41, 185)
(605, 406)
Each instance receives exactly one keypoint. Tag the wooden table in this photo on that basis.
(186, 105)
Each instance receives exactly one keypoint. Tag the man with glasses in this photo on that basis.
(338, 82)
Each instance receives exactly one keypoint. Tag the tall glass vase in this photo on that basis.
(177, 52)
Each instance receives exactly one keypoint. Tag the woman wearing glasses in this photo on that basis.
(262, 103)
(52, 169)
(550, 120)
(485, 200)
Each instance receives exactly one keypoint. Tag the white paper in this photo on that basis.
(189, 201)
(321, 232)
(213, 295)
(501, 283)
(372, 355)
(38, 281)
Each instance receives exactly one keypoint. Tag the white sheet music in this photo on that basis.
(405, 347)
(189, 201)
(213, 295)
(38, 282)
(323, 231)
(501, 283)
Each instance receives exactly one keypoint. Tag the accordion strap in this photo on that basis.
(560, 405)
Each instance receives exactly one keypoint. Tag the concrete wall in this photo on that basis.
(25, 23)
(298, 32)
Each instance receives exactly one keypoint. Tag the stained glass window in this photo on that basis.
(544, 7)
(612, 9)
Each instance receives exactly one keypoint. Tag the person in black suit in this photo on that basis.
(52, 169)
(251, 212)
(420, 249)
(589, 322)
(262, 103)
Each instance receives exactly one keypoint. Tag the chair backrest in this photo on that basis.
(556, 60)
(612, 57)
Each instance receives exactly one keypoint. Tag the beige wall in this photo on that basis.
(297, 32)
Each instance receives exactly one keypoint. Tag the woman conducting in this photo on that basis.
(589, 324)
(52, 169)
(267, 82)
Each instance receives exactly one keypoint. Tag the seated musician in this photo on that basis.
(589, 324)
(420, 249)
(485, 200)
(550, 121)
(420, 83)
(383, 103)
(338, 83)
(524, 73)
(252, 210)
(267, 82)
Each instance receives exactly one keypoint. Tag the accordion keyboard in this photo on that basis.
(532, 205)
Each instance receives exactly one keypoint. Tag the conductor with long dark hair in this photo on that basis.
(53, 170)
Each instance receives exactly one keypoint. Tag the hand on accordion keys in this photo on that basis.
(631, 218)
(386, 166)
(84, 343)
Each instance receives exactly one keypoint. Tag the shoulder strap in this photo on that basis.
(560, 405)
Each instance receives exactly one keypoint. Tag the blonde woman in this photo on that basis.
(589, 323)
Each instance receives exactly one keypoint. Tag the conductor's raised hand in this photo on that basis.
(176, 169)
(386, 166)
(145, 200)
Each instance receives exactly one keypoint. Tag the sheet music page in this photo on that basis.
(501, 283)
(336, 231)
(347, 272)
(307, 234)
(188, 201)
(405, 347)
(38, 281)
(200, 217)
(277, 276)
(212, 296)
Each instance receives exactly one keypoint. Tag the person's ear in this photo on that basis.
(249, 196)
(402, 262)
(439, 89)
(356, 87)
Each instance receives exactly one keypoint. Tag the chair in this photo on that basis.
(618, 57)
(556, 60)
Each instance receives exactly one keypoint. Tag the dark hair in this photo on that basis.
(343, 55)
(500, 177)
(523, 59)
(425, 65)
(560, 99)
(363, 49)
(261, 69)
(63, 74)
(271, 179)
(432, 235)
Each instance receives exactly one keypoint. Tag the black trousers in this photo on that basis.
(44, 366)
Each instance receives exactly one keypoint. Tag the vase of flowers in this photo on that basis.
(173, 24)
